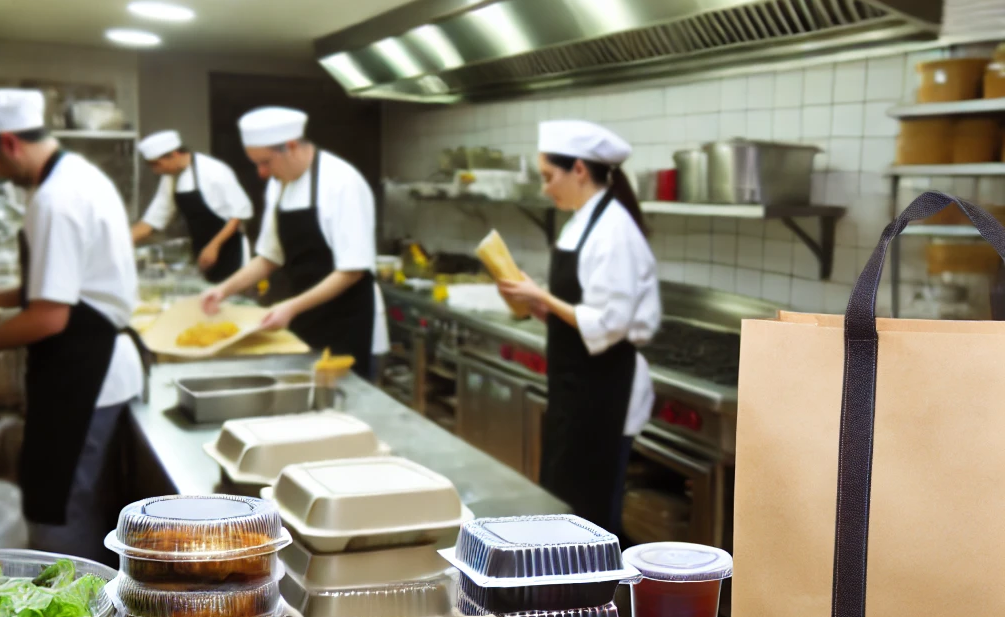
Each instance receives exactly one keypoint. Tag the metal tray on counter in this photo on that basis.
(228, 397)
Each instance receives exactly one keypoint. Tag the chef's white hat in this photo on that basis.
(271, 126)
(159, 144)
(21, 110)
(582, 140)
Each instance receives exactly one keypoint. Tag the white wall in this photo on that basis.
(839, 106)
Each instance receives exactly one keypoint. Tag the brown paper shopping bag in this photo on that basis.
(870, 464)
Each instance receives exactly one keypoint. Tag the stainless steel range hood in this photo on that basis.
(451, 50)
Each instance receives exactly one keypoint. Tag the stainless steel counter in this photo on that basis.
(174, 444)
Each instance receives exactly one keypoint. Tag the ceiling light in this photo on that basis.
(161, 11)
(132, 38)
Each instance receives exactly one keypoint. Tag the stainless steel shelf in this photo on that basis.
(740, 211)
(84, 134)
(923, 110)
(942, 231)
(973, 169)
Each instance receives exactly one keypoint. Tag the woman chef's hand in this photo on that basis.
(539, 310)
(208, 257)
(279, 316)
(211, 299)
(522, 291)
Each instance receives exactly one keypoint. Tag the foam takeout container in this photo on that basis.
(357, 504)
(253, 451)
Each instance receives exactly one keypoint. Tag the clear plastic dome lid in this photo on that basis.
(538, 550)
(198, 528)
(680, 562)
(139, 600)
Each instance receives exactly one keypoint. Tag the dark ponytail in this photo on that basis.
(611, 177)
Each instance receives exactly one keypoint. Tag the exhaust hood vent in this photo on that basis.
(450, 50)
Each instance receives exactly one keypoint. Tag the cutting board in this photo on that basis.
(160, 335)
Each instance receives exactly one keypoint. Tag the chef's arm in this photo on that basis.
(40, 320)
(258, 269)
(328, 289)
(10, 298)
(141, 231)
(561, 309)
(228, 230)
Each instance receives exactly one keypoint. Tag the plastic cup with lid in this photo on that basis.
(678, 579)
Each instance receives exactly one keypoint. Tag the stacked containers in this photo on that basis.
(561, 566)
(365, 537)
(205, 556)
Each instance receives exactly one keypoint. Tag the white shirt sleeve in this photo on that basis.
(349, 222)
(225, 194)
(57, 243)
(162, 208)
(268, 245)
(616, 271)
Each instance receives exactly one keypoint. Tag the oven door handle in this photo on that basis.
(686, 464)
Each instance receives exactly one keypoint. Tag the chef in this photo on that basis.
(209, 197)
(319, 226)
(77, 293)
(602, 302)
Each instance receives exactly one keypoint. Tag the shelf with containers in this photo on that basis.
(542, 213)
(947, 79)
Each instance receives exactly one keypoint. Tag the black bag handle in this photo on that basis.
(858, 404)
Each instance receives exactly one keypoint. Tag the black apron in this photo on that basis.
(588, 398)
(64, 377)
(203, 226)
(343, 324)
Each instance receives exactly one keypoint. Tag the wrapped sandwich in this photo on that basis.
(499, 262)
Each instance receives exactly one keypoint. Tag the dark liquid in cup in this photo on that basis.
(662, 599)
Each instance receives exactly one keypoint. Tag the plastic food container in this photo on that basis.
(357, 504)
(253, 451)
(467, 606)
(927, 141)
(139, 600)
(426, 598)
(17, 563)
(678, 579)
(539, 563)
(363, 568)
(212, 540)
(957, 79)
(976, 140)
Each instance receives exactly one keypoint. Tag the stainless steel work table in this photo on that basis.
(168, 445)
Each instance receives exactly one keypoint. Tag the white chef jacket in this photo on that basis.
(219, 186)
(347, 218)
(621, 299)
(82, 251)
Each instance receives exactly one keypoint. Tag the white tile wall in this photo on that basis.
(839, 107)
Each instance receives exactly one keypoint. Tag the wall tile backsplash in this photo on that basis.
(839, 107)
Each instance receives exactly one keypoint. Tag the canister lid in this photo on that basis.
(680, 562)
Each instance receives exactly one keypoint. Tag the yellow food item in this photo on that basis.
(206, 334)
(440, 293)
(263, 287)
(499, 262)
(418, 256)
(399, 277)
(329, 368)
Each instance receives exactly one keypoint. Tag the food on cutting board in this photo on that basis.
(207, 334)
(55, 592)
